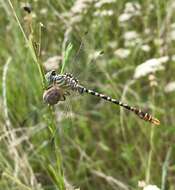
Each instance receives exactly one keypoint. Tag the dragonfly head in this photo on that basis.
(49, 76)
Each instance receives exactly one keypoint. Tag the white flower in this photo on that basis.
(142, 184)
(150, 66)
(44, 11)
(173, 5)
(79, 7)
(132, 7)
(52, 63)
(132, 43)
(170, 87)
(76, 18)
(124, 17)
(151, 7)
(173, 25)
(173, 57)
(158, 41)
(131, 38)
(147, 31)
(172, 35)
(145, 48)
(112, 44)
(103, 13)
(130, 35)
(102, 2)
(172, 32)
(151, 187)
(122, 53)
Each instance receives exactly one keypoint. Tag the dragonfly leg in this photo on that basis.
(63, 97)
(67, 93)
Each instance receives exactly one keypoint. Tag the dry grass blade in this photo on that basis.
(111, 180)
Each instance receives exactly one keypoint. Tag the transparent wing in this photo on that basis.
(84, 62)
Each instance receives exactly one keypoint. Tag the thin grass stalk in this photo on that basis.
(151, 142)
(39, 42)
(158, 14)
(4, 95)
(56, 172)
(30, 45)
(11, 138)
(16, 181)
(7, 127)
(66, 56)
(165, 169)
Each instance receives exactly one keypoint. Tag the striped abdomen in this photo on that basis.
(143, 115)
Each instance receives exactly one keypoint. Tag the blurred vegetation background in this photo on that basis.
(85, 142)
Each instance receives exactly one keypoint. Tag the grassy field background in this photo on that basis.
(85, 142)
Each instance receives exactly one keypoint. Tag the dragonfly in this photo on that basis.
(61, 85)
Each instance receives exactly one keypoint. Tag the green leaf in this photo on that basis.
(66, 56)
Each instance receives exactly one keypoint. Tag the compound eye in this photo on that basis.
(53, 72)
